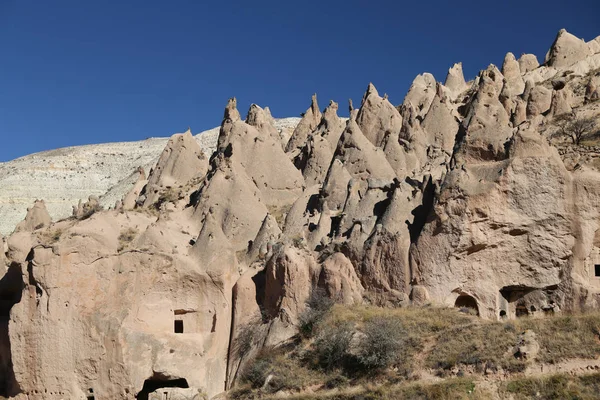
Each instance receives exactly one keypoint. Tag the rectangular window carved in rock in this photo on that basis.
(178, 326)
(597, 270)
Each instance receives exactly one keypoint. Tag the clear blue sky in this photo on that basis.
(77, 71)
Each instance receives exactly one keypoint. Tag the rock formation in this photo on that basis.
(461, 196)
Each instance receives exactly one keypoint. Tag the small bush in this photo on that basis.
(317, 307)
(332, 347)
(125, 237)
(257, 371)
(51, 236)
(286, 372)
(167, 196)
(247, 338)
(382, 343)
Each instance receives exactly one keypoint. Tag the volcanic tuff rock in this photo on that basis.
(465, 195)
(62, 177)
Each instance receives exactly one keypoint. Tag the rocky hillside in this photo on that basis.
(65, 176)
(480, 195)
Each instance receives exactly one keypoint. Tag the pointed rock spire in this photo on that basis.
(421, 93)
(566, 50)
(181, 160)
(455, 80)
(231, 112)
(377, 117)
(262, 121)
(309, 122)
(514, 84)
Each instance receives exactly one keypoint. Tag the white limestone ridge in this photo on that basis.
(64, 176)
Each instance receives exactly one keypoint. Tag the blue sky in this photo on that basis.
(77, 72)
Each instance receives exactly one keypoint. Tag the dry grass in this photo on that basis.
(560, 386)
(439, 339)
(279, 213)
(51, 236)
(126, 237)
(483, 345)
(455, 389)
(565, 336)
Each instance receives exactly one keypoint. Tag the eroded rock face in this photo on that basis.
(37, 217)
(457, 197)
(566, 50)
(181, 160)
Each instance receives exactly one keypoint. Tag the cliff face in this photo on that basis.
(459, 197)
(62, 177)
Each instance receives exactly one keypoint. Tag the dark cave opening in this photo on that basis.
(152, 384)
(466, 301)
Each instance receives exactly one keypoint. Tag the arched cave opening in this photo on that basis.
(154, 383)
(466, 301)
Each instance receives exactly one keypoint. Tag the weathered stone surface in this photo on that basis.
(37, 217)
(465, 201)
(455, 80)
(440, 124)
(340, 281)
(181, 160)
(377, 117)
(566, 50)
(538, 101)
(62, 177)
(514, 84)
(309, 122)
(421, 93)
(527, 63)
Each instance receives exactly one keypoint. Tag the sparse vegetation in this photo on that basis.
(168, 195)
(51, 236)
(574, 127)
(126, 237)
(368, 352)
(560, 386)
(566, 336)
(317, 308)
(382, 344)
(279, 213)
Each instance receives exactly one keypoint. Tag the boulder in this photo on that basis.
(130, 200)
(538, 101)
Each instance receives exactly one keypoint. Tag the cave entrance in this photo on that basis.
(468, 302)
(152, 384)
(597, 270)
